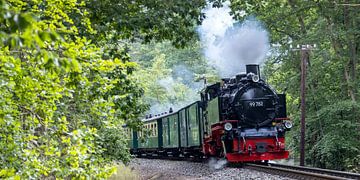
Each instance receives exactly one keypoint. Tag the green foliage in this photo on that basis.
(337, 145)
(51, 102)
(125, 172)
(170, 76)
(145, 20)
(65, 82)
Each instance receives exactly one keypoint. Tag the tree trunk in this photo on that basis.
(347, 79)
(299, 17)
(351, 75)
(338, 53)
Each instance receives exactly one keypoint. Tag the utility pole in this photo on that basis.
(304, 60)
(305, 52)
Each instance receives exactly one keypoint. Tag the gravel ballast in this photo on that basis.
(168, 169)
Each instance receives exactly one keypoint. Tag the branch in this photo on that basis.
(33, 113)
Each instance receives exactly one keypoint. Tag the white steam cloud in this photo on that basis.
(180, 90)
(230, 45)
(215, 164)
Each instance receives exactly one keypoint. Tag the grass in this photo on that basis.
(125, 172)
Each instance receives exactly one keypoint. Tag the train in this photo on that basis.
(241, 119)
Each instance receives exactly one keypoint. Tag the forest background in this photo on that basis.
(73, 72)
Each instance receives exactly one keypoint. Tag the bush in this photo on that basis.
(337, 144)
(63, 106)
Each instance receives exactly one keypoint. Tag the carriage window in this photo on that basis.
(148, 130)
(152, 129)
(155, 130)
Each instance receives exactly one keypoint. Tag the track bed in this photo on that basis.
(171, 169)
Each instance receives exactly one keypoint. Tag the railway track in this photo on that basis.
(296, 172)
(300, 172)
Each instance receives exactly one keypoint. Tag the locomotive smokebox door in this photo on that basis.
(261, 147)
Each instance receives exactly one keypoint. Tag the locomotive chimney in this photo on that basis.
(253, 68)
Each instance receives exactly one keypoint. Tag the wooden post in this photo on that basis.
(304, 60)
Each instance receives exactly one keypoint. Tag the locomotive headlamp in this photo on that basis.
(228, 126)
(288, 124)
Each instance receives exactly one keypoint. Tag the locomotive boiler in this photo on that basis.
(241, 118)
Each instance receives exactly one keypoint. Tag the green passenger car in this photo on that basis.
(173, 132)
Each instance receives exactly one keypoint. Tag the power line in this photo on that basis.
(347, 4)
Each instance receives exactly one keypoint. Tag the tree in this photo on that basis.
(170, 76)
(66, 92)
(145, 20)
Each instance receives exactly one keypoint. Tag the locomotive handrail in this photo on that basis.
(254, 99)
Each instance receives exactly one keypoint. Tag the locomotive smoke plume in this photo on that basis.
(180, 76)
(229, 45)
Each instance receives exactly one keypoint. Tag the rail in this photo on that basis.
(300, 172)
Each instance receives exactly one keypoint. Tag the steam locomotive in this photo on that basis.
(242, 119)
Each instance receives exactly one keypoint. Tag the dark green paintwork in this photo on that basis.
(193, 125)
(201, 125)
(129, 137)
(183, 129)
(160, 133)
(135, 140)
(150, 140)
(170, 132)
(132, 138)
(212, 113)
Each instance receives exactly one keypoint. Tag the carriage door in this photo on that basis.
(183, 129)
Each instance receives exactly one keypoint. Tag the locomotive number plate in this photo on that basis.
(256, 104)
